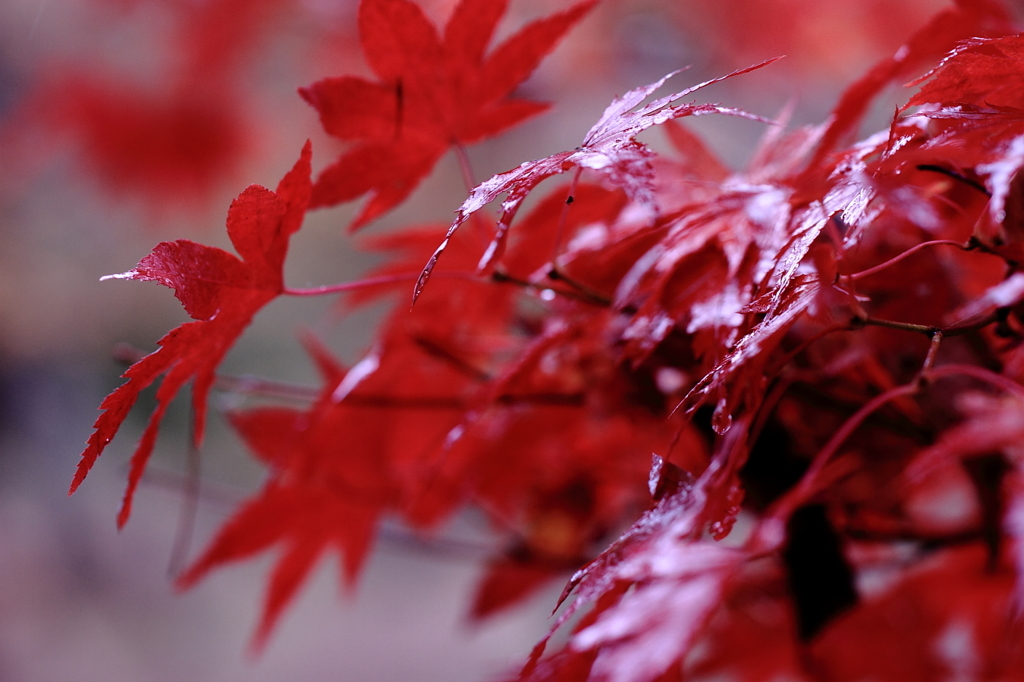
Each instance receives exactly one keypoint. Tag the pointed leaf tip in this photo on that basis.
(431, 91)
(221, 292)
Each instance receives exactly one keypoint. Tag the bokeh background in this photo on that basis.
(128, 122)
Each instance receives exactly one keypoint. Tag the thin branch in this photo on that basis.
(438, 351)
(270, 388)
(970, 182)
(596, 297)
(893, 324)
(503, 277)
(190, 488)
(465, 166)
(253, 385)
(928, 330)
(909, 252)
(389, 532)
(933, 351)
(547, 399)
(328, 289)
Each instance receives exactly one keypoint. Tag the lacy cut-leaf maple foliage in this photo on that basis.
(824, 351)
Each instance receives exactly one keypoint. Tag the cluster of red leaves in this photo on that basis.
(824, 352)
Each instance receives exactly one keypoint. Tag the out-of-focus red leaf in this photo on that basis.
(433, 92)
(508, 580)
(214, 36)
(223, 293)
(950, 616)
(327, 489)
(967, 19)
(753, 637)
(174, 146)
(992, 424)
(832, 42)
(576, 431)
(695, 154)
(1006, 294)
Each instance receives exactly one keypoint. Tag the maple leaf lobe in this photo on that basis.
(434, 92)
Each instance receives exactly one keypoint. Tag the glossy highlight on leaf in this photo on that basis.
(609, 147)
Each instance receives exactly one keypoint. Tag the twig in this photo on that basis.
(909, 252)
(189, 504)
(328, 289)
(502, 277)
(557, 275)
(928, 330)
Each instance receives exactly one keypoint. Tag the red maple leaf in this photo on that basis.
(803, 297)
(434, 92)
(656, 587)
(169, 146)
(975, 112)
(323, 491)
(979, 71)
(966, 19)
(218, 289)
(610, 147)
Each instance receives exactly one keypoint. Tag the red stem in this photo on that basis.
(769, 534)
(979, 373)
(465, 167)
(771, 527)
(329, 289)
(845, 431)
(909, 252)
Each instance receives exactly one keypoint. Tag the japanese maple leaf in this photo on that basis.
(610, 147)
(980, 71)
(977, 111)
(434, 92)
(172, 146)
(967, 18)
(323, 491)
(655, 589)
(222, 292)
